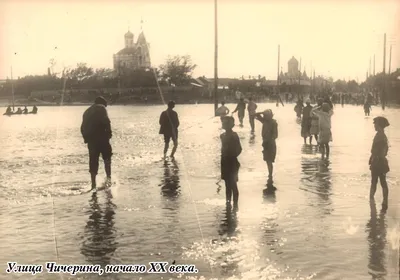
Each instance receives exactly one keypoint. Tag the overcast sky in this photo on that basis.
(337, 38)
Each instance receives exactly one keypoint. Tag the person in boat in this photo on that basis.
(34, 110)
(8, 110)
(19, 111)
(25, 111)
(96, 133)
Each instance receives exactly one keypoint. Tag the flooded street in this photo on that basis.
(318, 225)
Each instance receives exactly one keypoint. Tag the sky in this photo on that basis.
(336, 38)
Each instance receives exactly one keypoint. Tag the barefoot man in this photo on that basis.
(96, 132)
(169, 123)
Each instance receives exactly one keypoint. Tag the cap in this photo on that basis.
(381, 121)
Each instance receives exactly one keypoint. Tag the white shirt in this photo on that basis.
(251, 107)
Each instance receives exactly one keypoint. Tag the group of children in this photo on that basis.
(231, 149)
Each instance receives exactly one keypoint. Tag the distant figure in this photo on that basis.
(96, 132)
(240, 108)
(269, 135)
(342, 99)
(25, 111)
(230, 150)
(222, 111)
(169, 123)
(8, 110)
(325, 133)
(145, 100)
(298, 108)
(314, 130)
(251, 108)
(306, 122)
(379, 165)
(34, 110)
(367, 108)
(19, 111)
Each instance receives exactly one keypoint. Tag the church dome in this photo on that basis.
(293, 60)
(128, 35)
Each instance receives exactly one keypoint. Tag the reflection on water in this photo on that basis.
(316, 176)
(376, 228)
(99, 242)
(229, 222)
(270, 223)
(170, 187)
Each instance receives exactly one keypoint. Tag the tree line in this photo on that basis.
(177, 70)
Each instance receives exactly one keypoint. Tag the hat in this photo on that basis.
(268, 112)
(171, 104)
(381, 121)
(325, 107)
(100, 100)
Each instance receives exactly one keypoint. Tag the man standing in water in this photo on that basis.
(169, 123)
(240, 108)
(252, 107)
(96, 132)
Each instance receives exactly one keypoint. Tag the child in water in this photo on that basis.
(379, 165)
(230, 165)
(269, 135)
(325, 133)
(367, 108)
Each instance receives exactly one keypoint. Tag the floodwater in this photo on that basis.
(318, 225)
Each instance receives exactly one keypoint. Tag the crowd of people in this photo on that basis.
(19, 111)
(315, 121)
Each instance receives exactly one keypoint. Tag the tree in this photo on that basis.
(178, 69)
(340, 86)
(352, 86)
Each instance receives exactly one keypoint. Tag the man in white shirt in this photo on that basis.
(222, 111)
(251, 108)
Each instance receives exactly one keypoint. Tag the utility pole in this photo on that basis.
(215, 59)
(374, 65)
(390, 57)
(369, 66)
(298, 93)
(383, 98)
(277, 79)
(12, 89)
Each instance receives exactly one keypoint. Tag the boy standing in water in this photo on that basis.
(169, 123)
(230, 150)
(379, 165)
(269, 135)
(325, 133)
(240, 108)
(222, 111)
(251, 107)
(96, 132)
(367, 108)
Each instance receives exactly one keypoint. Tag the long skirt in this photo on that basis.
(314, 130)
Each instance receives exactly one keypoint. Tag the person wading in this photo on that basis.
(240, 108)
(252, 107)
(96, 132)
(169, 123)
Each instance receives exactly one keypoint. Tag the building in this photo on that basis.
(134, 55)
(293, 76)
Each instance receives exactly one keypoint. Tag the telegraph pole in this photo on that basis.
(390, 57)
(383, 98)
(374, 65)
(277, 77)
(215, 59)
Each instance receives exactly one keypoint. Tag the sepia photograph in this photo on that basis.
(200, 139)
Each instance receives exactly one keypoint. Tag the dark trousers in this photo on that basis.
(95, 149)
(251, 119)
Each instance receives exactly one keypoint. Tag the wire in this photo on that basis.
(187, 175)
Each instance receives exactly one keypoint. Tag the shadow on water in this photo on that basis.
(376, 228)
(170, 187)
(316, 178)
(99, 242)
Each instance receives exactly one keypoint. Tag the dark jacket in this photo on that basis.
(96, 125)
(169, 122)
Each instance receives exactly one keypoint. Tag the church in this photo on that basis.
(134, 55)
(294, 76)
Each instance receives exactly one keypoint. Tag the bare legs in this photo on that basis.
(166, 146)
(232, 189)
(374, 183)
(325, 150)
(270, 171)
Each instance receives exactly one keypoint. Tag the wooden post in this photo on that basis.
(390, 57)
(12, 89)
(277, 77)
(215, 59)
(383, 96)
